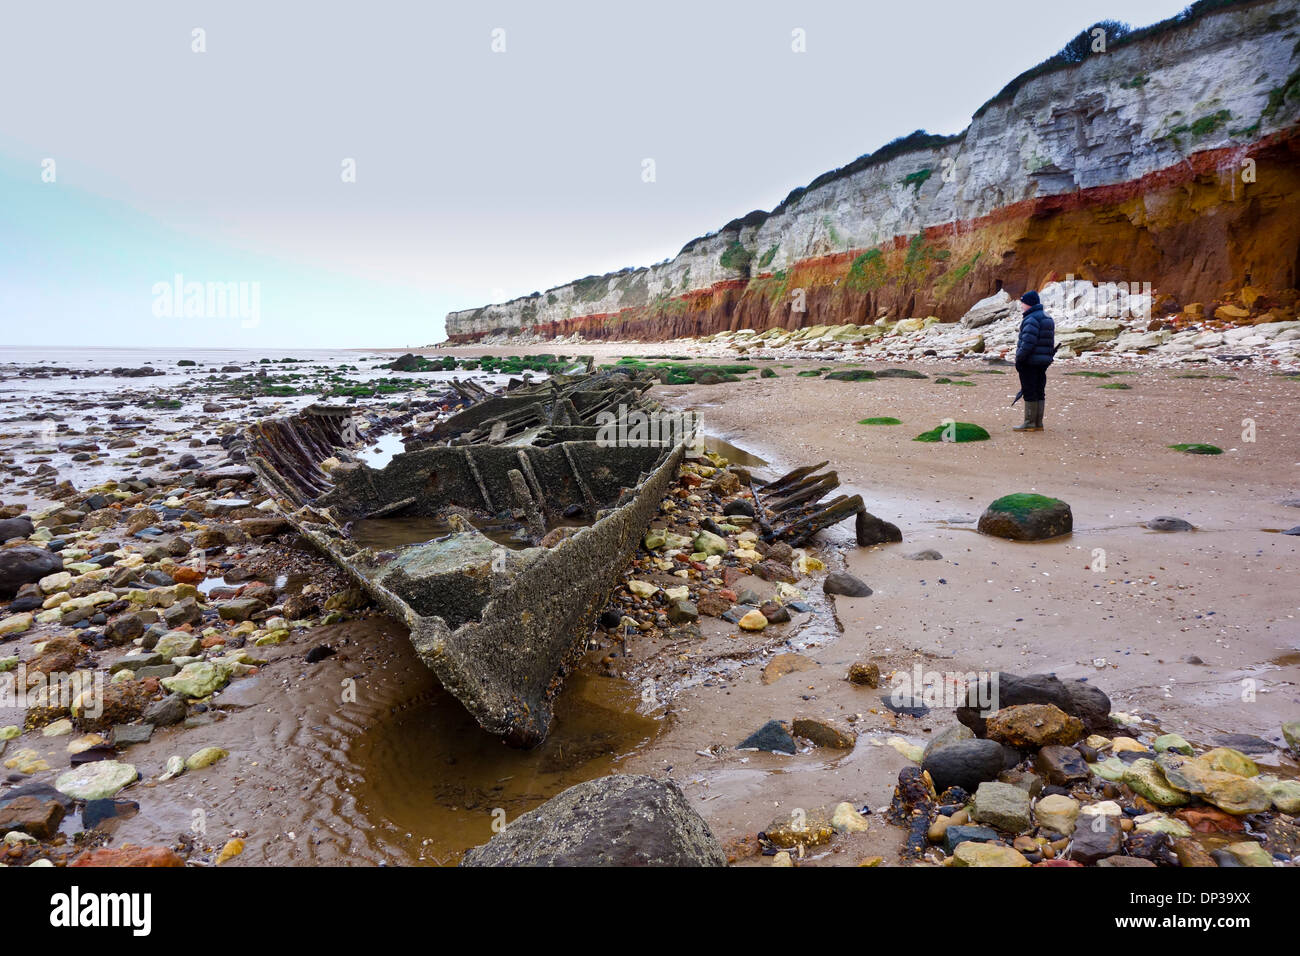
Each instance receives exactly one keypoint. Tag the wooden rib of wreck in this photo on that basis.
(525, 516)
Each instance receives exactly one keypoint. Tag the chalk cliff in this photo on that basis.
(1171, 158)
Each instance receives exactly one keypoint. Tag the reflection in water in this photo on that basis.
(433, 779)
(737, 456)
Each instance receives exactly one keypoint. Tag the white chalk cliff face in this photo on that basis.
(1221, 84)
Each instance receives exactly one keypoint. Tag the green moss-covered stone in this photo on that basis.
(955, 432)
(1197, 448)
(882, 420)
(1027, 517)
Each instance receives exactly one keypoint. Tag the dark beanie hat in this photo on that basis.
(1030, 298)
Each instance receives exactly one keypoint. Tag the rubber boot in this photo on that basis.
(1038, 415)
(1030, 418)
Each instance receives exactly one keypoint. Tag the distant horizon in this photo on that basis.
(519, 174)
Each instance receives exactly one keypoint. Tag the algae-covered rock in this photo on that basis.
(1144, 777)
(1026, 517)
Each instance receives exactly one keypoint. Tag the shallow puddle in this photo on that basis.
(435, 782)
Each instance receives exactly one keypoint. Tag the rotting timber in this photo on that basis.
(521, 519)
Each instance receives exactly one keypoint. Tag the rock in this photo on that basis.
(963, 763)
(800, 829)
(1229, 792)
(929, 554)
(999, 305)
(1291, 734)
(772, 737)
(97, 780)
(1095, 840)
(1144, 778)
(1190, 853)
(713, 604)
(949, 735)
(709, 543)
(1057, 813)
(683, 612)
(775, 571)
(11, 528)
(871, 530)
(782, 664)
(1285, 794)
(15, 624)
(864, 674)
(1246, 853)
(846, 819)
(166, 712)
(176, 644)
(900, 703)
(824, 733)
(1002, 805)
(1165, 523)
(25, 564)
(1227, 760)
(840, 582)
(204, 758)
(1061, 766)
(198, 679)
(1026, 517)
(1247, 743)
(618, 820)
(129, 855)
(1005, 689)
(232, 849)
(127, 735)
(1124, 861)
(1172, 742)
(987, 855)
(1034, 725)
(752, 621)
(955, 834)
(32, 815)
(241, 609)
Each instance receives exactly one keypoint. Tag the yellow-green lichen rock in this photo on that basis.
(1144, 777)
(205, 758)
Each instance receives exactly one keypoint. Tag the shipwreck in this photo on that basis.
(499, 532)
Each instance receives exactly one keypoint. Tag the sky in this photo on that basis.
(344, 174)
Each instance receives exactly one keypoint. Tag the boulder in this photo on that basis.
(840, 582)
(1026, 517)
(1002, 805)
(25, 564)
(999, 305)
(963, 763)
(1034, 725)
(1006, 689)
(620, 820)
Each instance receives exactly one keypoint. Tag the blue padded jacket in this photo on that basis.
(1037, 344)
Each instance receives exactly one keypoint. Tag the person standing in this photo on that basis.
(1035, 350)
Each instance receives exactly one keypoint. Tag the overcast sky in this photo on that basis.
(479, 175)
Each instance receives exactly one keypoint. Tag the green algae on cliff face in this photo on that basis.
(954, 432)
(1197, 448)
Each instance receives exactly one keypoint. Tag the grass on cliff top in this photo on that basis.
(1024, 503)
(1197, 448)
(882, 420)
(957, 432)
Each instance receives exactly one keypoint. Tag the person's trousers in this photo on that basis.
(1033, 381)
